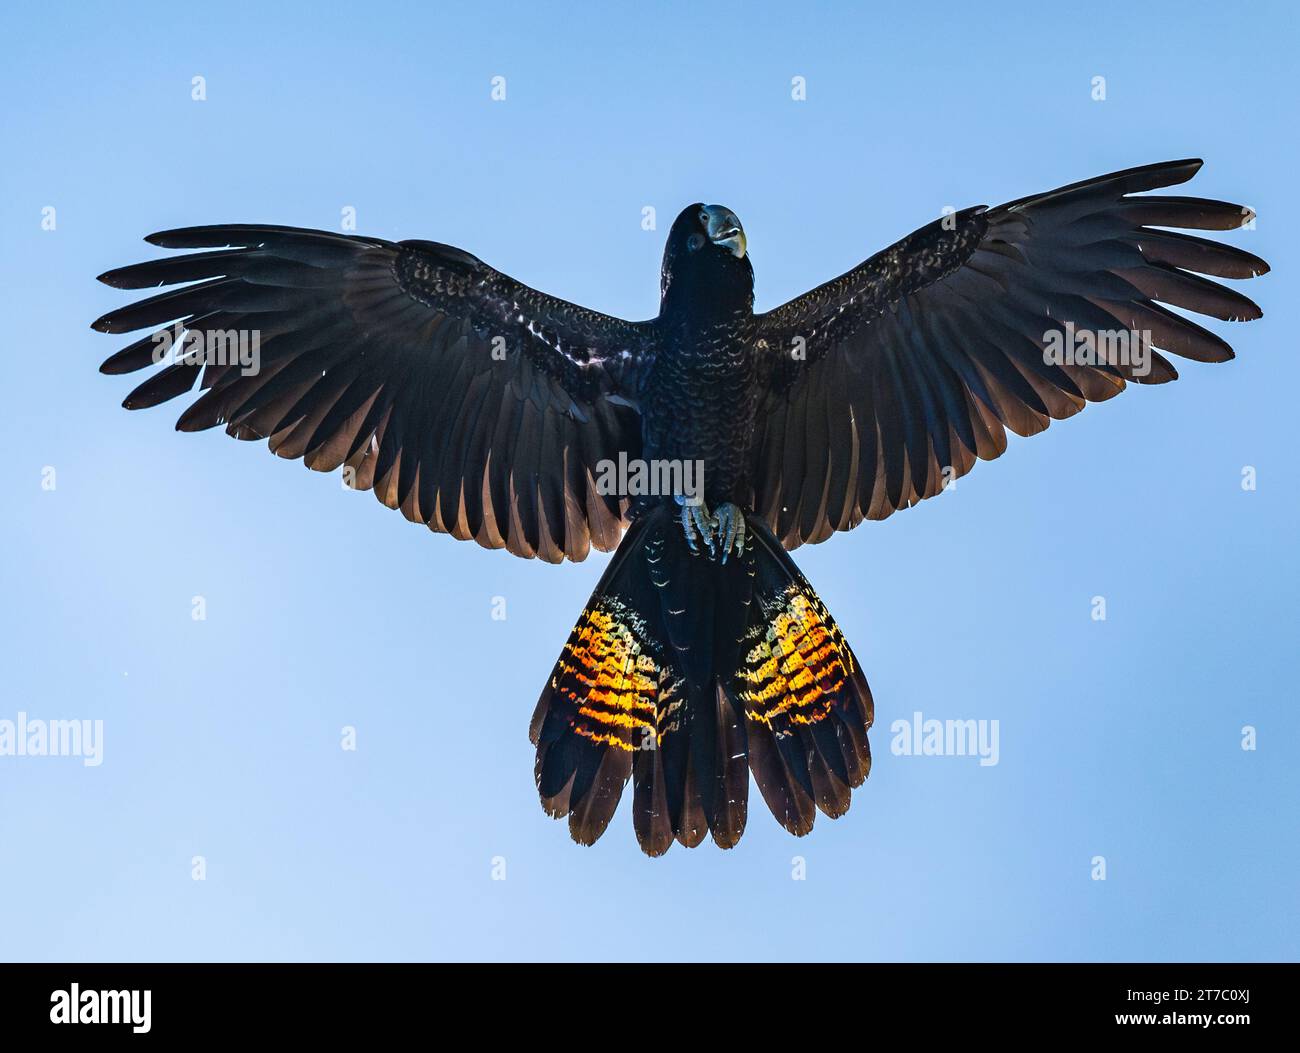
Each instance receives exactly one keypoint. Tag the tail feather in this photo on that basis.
(731, 799)
(650, 813)
(596, 806)
(684, 675)
(790, 804)
(803, 694)
(604, 699)
(692, 822)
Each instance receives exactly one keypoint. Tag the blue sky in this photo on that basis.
(1120, 739)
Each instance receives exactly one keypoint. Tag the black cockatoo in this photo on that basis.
(490, 411)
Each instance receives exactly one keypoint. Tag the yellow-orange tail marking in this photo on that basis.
(796, 662)
(622, 694)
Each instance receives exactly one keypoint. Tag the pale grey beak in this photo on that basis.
(724, 229)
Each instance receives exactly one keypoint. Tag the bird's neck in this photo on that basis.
(706, 299)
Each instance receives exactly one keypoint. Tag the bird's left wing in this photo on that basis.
(478, 406)
(891, 380)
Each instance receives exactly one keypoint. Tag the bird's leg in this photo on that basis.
(695, 519)
(731, 529)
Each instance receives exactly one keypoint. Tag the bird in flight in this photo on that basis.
(487, 410)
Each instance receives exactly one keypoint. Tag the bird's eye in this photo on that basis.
(695, 242)
(704, 218)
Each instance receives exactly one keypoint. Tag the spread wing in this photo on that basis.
(897, 376)
(476, 405)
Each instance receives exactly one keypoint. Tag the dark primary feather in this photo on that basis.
(379, 355)
(919, 359)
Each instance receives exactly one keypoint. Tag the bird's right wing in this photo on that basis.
(894, 378)
(475, 404)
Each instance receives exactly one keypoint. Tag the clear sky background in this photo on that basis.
(1120, 739)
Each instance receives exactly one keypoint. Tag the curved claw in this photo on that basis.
(695, 519)
(730, 522)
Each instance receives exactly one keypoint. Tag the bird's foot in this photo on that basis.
(695, 519)
(723, 532)
(730, 522)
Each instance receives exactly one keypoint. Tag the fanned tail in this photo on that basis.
(685, 674)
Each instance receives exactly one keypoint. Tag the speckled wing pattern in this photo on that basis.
(893, 379)
(472, 403)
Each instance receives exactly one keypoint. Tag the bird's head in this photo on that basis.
(705, 259)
